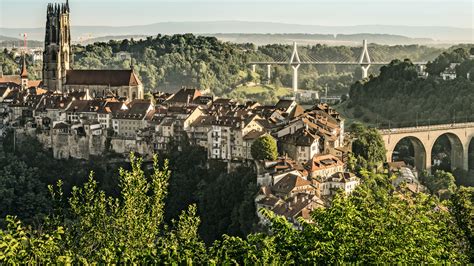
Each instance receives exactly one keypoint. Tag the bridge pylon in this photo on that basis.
(364, 60)
(295, 63)
(269, 73)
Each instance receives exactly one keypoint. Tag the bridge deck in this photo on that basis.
(325, 63)
(426, 128)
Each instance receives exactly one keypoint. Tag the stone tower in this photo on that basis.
(57, 46)
(24, 74)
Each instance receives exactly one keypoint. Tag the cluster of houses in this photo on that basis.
(294, 189)
(77, 123)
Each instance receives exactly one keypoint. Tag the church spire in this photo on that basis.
(24, 72)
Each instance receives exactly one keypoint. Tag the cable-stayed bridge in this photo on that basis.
(368, 56)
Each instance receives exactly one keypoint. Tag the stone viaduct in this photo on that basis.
(423, 139)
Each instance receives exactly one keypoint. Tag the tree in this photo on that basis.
(104, 229)
(466, 69)
(442, 61)
(441, 183)
(368, 144)
(375, 224)
(264, 148)
(226, 203)
(462, 208)
(404, 100)
(23, 194)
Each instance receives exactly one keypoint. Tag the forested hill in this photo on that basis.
(167, 63)
(398, 97)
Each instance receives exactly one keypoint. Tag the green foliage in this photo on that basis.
(170, 62)
(367, 145)
(225, 201)
(378, 225)
(49, 170)
(21, 246)
(22, 192)
(397, 98)
(441, 183)
(445, 59)
(375, 224)
(10, 65)
(104, 229)
(465, 69)
(462, 208)
(264, 148)
(264, 94)
(104, 225)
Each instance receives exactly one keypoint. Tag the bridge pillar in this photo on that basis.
(254, 66)
(365, 71)
(428, 159)
(295, 77)
(364, 60)
(457, 156)
(269, 73)
(465, 162)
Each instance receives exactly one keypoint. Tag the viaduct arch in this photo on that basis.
(423, 139)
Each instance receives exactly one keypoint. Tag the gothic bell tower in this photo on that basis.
(57, 47)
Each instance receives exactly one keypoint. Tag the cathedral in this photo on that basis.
(57, 60)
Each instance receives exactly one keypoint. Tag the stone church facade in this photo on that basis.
(57, 60)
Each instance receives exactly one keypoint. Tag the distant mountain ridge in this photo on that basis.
(436, 33)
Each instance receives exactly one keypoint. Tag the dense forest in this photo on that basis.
(224, 200)
(160, 211)
(169, 62)
(398, 97)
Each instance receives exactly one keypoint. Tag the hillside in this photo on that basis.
(398, 98)
(167, 63)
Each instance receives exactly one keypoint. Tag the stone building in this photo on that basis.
(57, 61)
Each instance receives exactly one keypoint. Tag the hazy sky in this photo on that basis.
(457, 13)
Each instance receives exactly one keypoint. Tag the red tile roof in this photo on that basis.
(290, 182)
(320, 162)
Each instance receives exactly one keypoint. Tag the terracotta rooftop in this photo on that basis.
(321, 162)
(184, 95)
(289, 182)
(10, 79)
